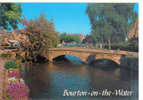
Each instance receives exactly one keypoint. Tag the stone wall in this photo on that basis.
(2, 77)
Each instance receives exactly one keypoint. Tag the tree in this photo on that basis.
(45, 27)
(10, 14)
(88, 39)
(41, 35)
(111, 22)
(76, 39)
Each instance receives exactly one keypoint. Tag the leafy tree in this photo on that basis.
(10, 14)
(45, 27)
(111, 22)
(41, 35)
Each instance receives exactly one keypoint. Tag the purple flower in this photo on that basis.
(17, 91)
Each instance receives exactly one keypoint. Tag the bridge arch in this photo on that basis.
(67, 58)
(95, 57)
(104, 62)
(51, 58)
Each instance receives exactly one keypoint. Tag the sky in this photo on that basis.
(67, 17)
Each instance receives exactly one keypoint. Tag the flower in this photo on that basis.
(14, 74)
(16, 91)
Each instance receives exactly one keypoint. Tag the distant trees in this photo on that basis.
(111, 23)
(10, 14)
(69, 38)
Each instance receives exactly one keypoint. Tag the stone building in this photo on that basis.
(134, 31)
(13, 38)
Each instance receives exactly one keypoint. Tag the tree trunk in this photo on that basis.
(109, 44)
(100, 45)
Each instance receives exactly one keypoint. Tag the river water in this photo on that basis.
(50, 81)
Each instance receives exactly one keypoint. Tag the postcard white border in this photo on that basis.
(141, 50)
(105, 1)
(74, 1)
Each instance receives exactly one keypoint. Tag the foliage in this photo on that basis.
(89, 39)
(45, 28)
(69, 38)
(40, 36)
(133, 41)
(134, 44)
(111, 22)
(127, 46)
(10, 14)
(11, 64)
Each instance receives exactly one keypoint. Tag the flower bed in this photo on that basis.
(17, 89)
(14, 74)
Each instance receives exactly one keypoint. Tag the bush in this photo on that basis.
(11, 64)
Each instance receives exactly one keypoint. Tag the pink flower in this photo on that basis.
(17, 91)
(14, 74)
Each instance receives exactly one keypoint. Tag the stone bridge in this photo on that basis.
(85, 53)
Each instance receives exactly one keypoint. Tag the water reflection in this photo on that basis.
(48, 81)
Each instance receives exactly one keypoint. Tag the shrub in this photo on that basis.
(11, 64)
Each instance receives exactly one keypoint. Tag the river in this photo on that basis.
(50, 81)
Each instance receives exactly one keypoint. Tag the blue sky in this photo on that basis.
(68, 17)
